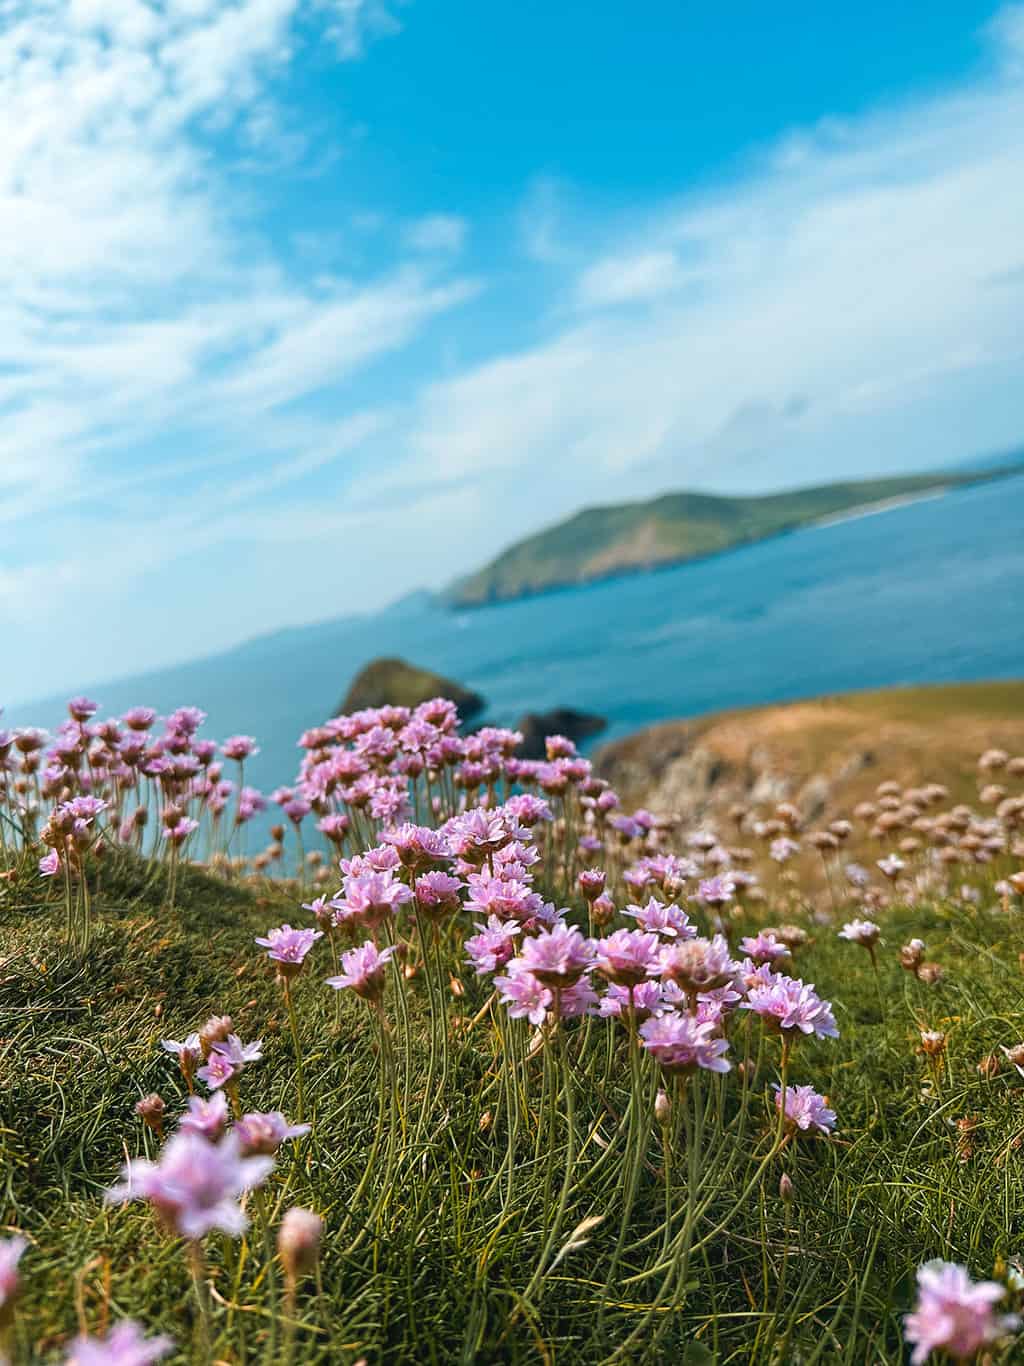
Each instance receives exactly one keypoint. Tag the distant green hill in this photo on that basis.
(626, 537)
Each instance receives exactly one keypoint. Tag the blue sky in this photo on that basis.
(306, 303)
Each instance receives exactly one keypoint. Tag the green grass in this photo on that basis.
(436, 1280)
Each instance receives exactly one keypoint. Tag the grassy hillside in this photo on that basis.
(602, 541)
(827, 753)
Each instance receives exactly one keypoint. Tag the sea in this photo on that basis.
(927, 591)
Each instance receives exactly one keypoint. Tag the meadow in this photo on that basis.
(472, 1064)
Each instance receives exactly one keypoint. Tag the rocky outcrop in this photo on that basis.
(577, 726)
(396, 683)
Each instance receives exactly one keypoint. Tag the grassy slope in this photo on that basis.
(853, 740)
(80, 1045)
(601, 541)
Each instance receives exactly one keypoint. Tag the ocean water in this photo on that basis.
(930, 591)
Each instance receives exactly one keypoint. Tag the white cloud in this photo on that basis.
(436, 232)
(629, 279)
(825, 314)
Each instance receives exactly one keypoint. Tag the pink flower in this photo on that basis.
(228, 1058)
(666, 921)
(418, 846)
(579, 999)
(437, 894)
(239, 747)
(525, 996)
(370, 899)
(698, 964)
(789, 1006)
(954, 1314)
(195, 1185)
(783, 849)
(627, 956)
(288, 948)
(647, 1000)
(863, 932)
(124, 1345)
(763, 947)
(264, 1133)
(206, 1117)
(891, 866)
(11, 1250)
(492, 946)
(557, 957)
(363, 971)
(479, 834)
(717, 891)
(679, 1043)
(806, 1111)
(49, 864)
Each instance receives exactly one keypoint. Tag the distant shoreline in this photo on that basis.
(931, 494)
(885, 505)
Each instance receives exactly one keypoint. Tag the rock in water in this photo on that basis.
(396, 683)
(537, 726)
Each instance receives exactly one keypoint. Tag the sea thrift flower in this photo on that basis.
(371, 899)
(492, 946)
(789, 1006)
(891, 866)
(288, 948)
(806, 1111)
(189, 1053)
(954, 1314)
(591, 883)
(195, 1185)
(627, 957)
(912, 955)
(437, 894)
(11, 1252)
(579, 999)
(933, 1042)
(698, 965)
(418, 846)
(479, 834)
(264, 1133)
(125, 1345)
(717, 891)
(227, 1059)
(558, 957)
(679, 1043)
(363, 971)
(782, 849)
(49, 864)
(666, 921)
(298, 1241)
(525, 995)
(764, 948)
(239, 747)
(647, 1000)
(209, 1118)
(863, 932)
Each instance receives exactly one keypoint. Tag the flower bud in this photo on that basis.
(785, 1188)
(298, 1241)
(603, 910)
(662, 1108)
(215, 1030)
(150, 1109)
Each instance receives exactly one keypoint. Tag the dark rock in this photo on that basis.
(395, 683)
(537, 726)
